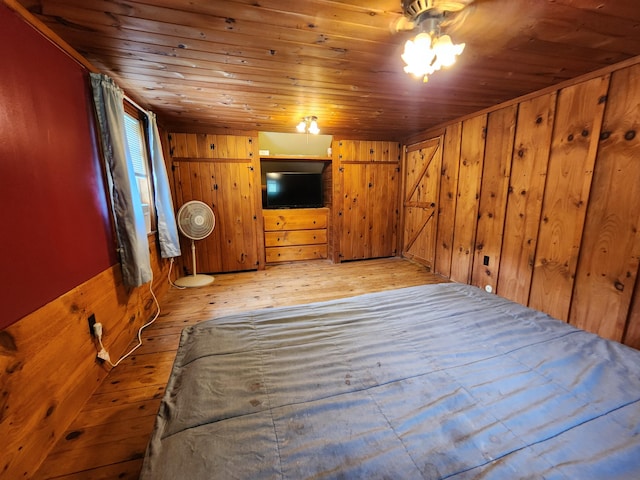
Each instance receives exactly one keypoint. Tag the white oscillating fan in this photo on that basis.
(196, 221)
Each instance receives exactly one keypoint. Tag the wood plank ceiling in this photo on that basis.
(264, 64)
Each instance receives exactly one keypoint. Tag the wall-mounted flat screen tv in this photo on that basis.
(294, 190)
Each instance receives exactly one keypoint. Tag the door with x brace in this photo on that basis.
(420, 200)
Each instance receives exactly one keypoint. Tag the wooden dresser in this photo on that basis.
(295, 234)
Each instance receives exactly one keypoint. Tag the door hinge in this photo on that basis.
(212, 146)
(250, 167)
(341, 169)
(215, 186)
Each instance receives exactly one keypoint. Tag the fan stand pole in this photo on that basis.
(193, 257)
(195, 280)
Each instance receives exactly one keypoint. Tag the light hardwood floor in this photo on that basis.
(109, 437)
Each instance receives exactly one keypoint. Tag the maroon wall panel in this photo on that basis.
(55, 225)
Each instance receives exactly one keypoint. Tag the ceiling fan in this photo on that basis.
(430, 50)
(485, 24)
(415, 12)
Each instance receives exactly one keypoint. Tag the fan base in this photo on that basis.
(191, 281)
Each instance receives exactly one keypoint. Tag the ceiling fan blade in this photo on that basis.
(489, 24)
(402, 24)
(452, 6)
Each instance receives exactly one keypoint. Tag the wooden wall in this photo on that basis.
(62, 265)
(539, 201)
(48, 361)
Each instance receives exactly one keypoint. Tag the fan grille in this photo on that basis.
(196, 220)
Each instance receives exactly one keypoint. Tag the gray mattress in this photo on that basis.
(436, 381)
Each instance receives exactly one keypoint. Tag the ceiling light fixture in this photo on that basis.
(309, 125)
(429, 51)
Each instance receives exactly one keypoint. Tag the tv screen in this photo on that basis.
(294, 190)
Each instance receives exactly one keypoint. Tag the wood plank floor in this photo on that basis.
(109, 437)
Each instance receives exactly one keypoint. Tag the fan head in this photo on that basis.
(196, 220)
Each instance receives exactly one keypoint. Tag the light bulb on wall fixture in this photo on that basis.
(309, 125)
(429, 51)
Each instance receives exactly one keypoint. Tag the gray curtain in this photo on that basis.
(133, 245)
(167, 230)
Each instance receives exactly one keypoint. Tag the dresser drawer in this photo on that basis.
(288, 238)
(290, 254)
(295, 219)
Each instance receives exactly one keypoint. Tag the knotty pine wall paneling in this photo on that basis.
(631, 335)
(448, 198)
(608, 269)
(469, 178)
(570, 243)
(336, 214)
(524, 199)
(578, 120)
(48, 360)
(501, 126)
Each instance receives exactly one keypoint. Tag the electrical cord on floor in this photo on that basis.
(169, 276)
(104, 354)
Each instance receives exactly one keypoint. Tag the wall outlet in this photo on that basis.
(92, 322)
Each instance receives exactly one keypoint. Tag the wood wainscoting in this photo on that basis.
(109, 437)
(537, 201)
(48, 361)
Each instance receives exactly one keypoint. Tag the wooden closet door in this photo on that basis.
(194, 181)
(227, 187)
(237, 218)
(369, 210)
(382, 209)
(354, 234)
(420, 204)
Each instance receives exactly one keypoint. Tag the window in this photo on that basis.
(136, 141)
